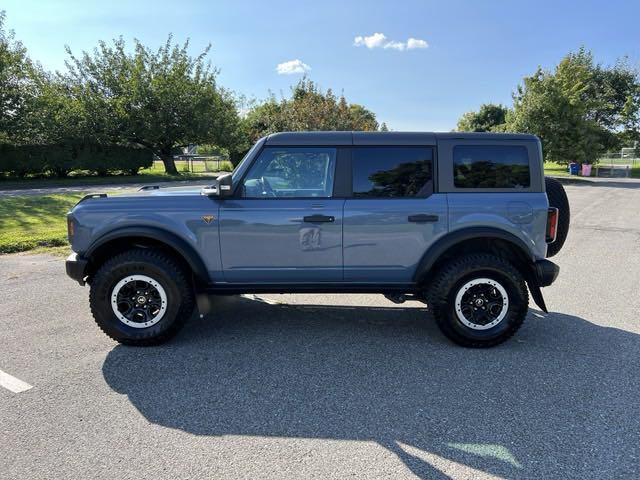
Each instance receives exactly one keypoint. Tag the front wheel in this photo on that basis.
(478, 300)
(141, 297)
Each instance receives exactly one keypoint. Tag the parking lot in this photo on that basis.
(327, 386)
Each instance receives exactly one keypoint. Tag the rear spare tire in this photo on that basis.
(558, 199)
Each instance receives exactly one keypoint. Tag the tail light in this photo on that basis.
(552, 224)
(71, 230)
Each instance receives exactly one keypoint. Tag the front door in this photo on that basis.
(283, 224)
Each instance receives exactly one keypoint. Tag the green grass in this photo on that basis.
(555, 169)
(39, 223)
(551, 168)
(33, 222)
(156, 173)
(62, 251)
(198, 166)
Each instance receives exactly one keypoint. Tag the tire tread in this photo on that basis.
(558, 198)
(160, 260)
(444, 281)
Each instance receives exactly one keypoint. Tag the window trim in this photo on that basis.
(434, 173)
(237, 194)
(445, 158)
(453, 166)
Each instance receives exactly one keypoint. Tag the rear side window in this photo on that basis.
(491, 166)
(392, 172)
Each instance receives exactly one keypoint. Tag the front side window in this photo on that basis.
(490, 166)
(293, 172)
(392, 172)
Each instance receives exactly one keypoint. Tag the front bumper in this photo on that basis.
(546, 272)
(76, 267)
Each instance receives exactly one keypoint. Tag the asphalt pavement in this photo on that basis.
(329, 386)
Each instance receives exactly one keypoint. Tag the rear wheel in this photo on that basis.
(478, 300)
(558, 199)
(141, 297)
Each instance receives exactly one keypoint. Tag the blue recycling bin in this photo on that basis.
(574, 168)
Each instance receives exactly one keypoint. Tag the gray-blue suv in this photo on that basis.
(462, 222)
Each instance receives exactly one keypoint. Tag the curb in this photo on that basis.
(598, 181)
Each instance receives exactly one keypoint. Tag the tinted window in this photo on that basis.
(487, 166)
(291, 172)
(392, 172)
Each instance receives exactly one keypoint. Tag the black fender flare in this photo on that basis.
(435, 251)
(181, 246)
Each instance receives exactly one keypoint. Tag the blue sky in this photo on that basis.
(477, 51)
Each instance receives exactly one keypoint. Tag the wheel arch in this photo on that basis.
(126, 238)
(485, 239)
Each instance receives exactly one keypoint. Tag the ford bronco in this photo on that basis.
(461, 221)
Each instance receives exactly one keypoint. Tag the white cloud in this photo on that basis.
(292, 66)
(416, 43)
(372, 41)
(379, 40)
(395, 45)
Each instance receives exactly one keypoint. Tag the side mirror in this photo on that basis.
(223, 187)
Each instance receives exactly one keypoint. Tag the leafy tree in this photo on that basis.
(57, 116)
(309, 108)
(209, 149)
(577, 110)
(490, 117)
(159, 99)
(361, 118)
(17, 86)
(542, 107)
(618, 89)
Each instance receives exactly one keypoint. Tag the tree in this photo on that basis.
(309, 108)
(161, 100)
(361, 118)
(490, 117)
(578, 110)
(618, 89)
(18, 87)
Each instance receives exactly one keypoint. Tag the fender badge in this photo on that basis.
(208, 219)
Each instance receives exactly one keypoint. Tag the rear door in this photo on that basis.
(284, 224)
(393, 215)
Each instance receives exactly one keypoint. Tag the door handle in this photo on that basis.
(318, 218)
(423, 218)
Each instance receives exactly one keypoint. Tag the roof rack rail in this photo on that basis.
(93, 195)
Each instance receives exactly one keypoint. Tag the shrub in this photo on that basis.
(61, 159)
(58, 160)
(20, 161)
(226, 166)
(104, 159)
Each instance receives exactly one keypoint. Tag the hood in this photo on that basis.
(157, 191)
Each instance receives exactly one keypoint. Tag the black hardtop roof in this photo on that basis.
(387, 138)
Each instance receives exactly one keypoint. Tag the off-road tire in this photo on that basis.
(452, 276)
(162, 268)
(558, 199)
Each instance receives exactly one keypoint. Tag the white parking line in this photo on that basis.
(12, 383)
(250, 296)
